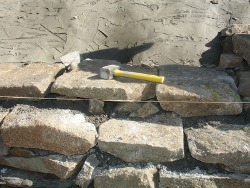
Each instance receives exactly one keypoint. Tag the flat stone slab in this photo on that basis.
(228, 145)
(3, 113)
(157, 140)
(59, 165)
(196, 180)
(14, 177)
(201, 88)
(55, 130)
(241, 43)
(32, 80)
(127, 177)
(85, 82)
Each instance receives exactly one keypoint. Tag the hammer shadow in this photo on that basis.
(121, 55)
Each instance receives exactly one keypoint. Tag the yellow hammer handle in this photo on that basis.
(139, 76)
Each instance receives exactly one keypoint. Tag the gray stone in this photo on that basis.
(127, 107)
(244, 83)
(86, 83)
(20, 152)
(96, 106)
(191, 91)
(56, 130)
(32, 80)
(241, 43)
(236, 29)
(3, 113)
(59, 165)
(20, 178)
(71, 60)
(4, 150)
(197, 180)
(127, 177)
(230, 61)
(86, 175)
(159, 139)
(147, 109)
(224, 144)
(227, 44)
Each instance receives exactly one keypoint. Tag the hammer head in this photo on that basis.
(107, 72)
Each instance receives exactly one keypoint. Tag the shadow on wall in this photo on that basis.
(212, 55)
(121, 55)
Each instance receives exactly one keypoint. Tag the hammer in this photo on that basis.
(109, 71)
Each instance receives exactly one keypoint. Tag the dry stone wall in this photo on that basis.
(70, 128)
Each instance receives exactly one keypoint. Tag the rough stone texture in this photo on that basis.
(3, 113)
(146, 110)
(224, 144)
(59, 165)
(236, 29)
(247, 107)
(21, 178)
(31, 80)
(196, 180)
(180, 30)
(227, 44)
(230, 61)
(127, 107)
(241, 43)
(19, 152)
(158, 140)
(86, 175)
(199, 87)
(244, 83)
(86, 83)
(96, 107)
(126, 177)
(4, 150)
(56, 130)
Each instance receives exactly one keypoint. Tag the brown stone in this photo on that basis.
(61, 166)
(197, 180)
(244, 83)
(85, 82)
(227, 44)
(224, 144)
(230, 61)
(96, 106)
(127, 177)
(192, 91)
(56, 130)
(146, 110)
(241, 43)
(236, 29)
(159, 139)
(32, 80)
(18, 152)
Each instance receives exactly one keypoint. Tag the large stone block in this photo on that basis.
(224, 144)
(197, 180)
(241, 43)
(56, 130)
(127, 177)
(157, 140)
(13, 177)
(244, 83)
(32, 80)
(60, 165)
(230, 61)
(85, 82)
(192, 91)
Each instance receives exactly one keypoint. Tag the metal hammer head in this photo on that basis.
(107, 72)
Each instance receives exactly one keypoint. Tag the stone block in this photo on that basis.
(127, 177)
(32, 80)
(146, 110)
(96, 106)
(192, 91)
(86, 175)
(236, 29)
(197, 180)
(241, 43)
(244, 83)
(230, 61)
(55, 130)
(159, 139)
(228, 145)
(86, 83)
(59, 165)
